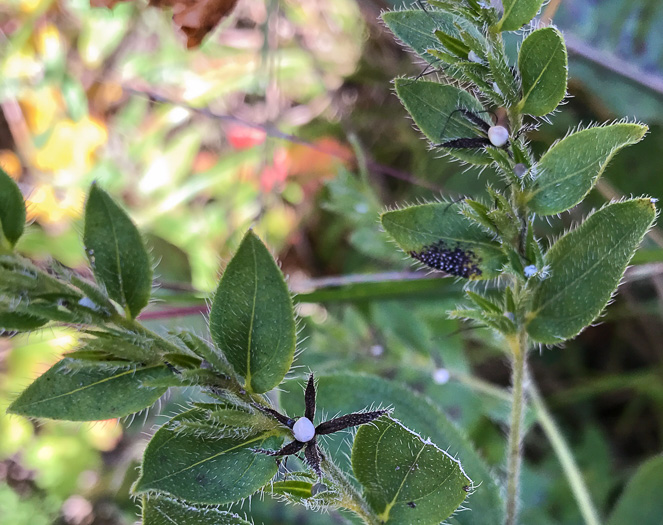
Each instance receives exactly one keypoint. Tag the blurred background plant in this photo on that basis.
(283, 119)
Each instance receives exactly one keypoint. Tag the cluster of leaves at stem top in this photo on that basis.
(213, 453)
(553, 294)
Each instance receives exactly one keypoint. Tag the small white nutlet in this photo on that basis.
(530, 271)
(441, 376)
(303, 430)
(498, 136)
(473, 57)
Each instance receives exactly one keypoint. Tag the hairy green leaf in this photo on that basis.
(89, 391)
(641, 501)
(198, 469)
(406, 479)
(297, 490)
(570, 168)
(117, 253)
(252, 318)
(542, 62)
(19, 321)
(12, 208)
(415, 27)
(517, 13)
(343, 393)
(437, 235)
(434, 108)
(585, 268)
(163, 510)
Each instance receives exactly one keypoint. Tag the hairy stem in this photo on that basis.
(566, 459)
(514, 453)
(351, 498)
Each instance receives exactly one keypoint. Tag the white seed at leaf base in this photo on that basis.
(303, 430)
(498, 136)
(473, 57)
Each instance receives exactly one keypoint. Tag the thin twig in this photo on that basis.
(274, 132)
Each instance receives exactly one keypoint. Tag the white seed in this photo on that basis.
(303, 430)
(441, 376)
(498, 136)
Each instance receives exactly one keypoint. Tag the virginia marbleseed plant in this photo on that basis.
(218, 451)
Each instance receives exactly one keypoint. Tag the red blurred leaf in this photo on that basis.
(244, 137)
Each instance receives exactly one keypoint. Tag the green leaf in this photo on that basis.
(163, 510)
(252, 318)
(127, 348)
(454, 45)
(415, 28)
(434, 106)
(12, 209)
(570, 168)
(439, 236)
(517, 13)
(89, 391)
(19, 321)
(406, 479)
(202, 470)
(117, 253)
(585, 268)
(212, 355)
(484, 303)
(641, 502)
(344, 393)
(542, 62)
(298, 490)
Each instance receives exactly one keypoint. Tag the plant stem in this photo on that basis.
(514, 453)
(563, 452)
(351, 497)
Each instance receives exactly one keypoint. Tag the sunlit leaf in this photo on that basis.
(12, 209)
(89, 391)
(117, 253)
(585, 268)
(406, 479)
(19, 321)
(198, 469)
(542, 62)
(517, 13)
(569, 169)
(252, 318)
